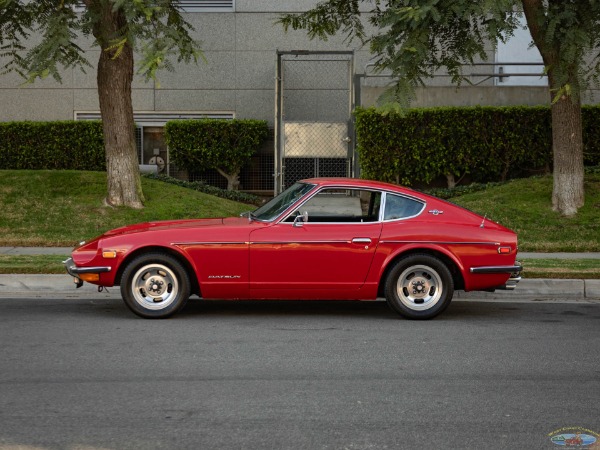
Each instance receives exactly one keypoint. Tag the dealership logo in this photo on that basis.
(574, 437)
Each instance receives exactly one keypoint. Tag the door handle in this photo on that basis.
(361, 241)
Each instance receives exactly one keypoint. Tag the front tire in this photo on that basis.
(419, 287)
(155, 286)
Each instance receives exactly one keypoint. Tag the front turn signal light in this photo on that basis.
(109, 254)
(89, 277)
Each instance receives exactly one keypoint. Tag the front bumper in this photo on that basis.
(75, 271)
(514, 271)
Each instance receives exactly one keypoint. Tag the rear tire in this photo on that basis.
(419, 287)
(155, 286)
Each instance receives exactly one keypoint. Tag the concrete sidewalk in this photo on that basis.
(27, 251)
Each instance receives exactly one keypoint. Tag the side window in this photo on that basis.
(342, 205)
(398, 207)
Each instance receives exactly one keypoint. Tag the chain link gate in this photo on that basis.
(313, 107)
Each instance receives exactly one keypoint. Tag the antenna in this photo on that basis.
(483, 222)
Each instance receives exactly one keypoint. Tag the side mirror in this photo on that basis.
(300, 219)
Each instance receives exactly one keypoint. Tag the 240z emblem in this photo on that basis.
(224, 277)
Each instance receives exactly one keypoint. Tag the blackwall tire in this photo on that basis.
(419, 287)
(155, 286)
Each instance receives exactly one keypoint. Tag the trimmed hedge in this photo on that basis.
(52, 145)
(487, 143)
(225, 145)
(201, 186)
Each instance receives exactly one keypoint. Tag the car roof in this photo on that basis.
(356, 182)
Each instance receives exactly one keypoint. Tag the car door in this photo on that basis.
(332, 250)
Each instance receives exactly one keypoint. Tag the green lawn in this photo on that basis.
(61, 208)
(32, 264)
(525, 206)
(561, 268)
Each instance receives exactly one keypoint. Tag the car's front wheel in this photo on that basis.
(155, 285)
(419, 287)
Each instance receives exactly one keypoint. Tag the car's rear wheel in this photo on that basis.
(155, 285)
(419, 287)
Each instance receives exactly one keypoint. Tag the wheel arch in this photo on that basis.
(180, 257)
(450, 263)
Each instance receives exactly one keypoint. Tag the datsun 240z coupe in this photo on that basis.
(322, 238)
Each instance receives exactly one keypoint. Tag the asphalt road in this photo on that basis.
(84, 373)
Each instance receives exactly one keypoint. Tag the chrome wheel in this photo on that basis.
(154, 286)
(419, 287)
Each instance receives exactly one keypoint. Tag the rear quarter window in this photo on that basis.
(399, 207)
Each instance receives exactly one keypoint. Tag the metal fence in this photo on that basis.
(314, 100)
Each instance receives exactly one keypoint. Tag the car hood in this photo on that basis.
(174, 225)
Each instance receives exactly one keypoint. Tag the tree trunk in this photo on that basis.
(233, 180)
(115, 75)
(450, 180)
(567, 147)
(567, 135)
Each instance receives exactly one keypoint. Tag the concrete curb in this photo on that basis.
(544, 288)
(527, 288)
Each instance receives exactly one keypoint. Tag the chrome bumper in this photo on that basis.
(515, 274)
(74, 271)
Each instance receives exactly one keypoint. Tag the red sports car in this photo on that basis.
(323, 238)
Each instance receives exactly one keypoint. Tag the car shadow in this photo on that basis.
(339, 308)
(112, 307)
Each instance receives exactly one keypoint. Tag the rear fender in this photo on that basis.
(454, 264)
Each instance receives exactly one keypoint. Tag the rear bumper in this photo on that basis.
(514, 271)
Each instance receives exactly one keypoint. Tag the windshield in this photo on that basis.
(271, 210)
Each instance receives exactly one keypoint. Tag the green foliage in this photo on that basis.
(201, 186)
(415, 39)
(327, 18)
(52, 145)
(567, 33)
(488, 143)
(155, 29)
(225, 145)
(457, 191)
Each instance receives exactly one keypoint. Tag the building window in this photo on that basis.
(150, 136)
(192, 6)
(207, 5)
